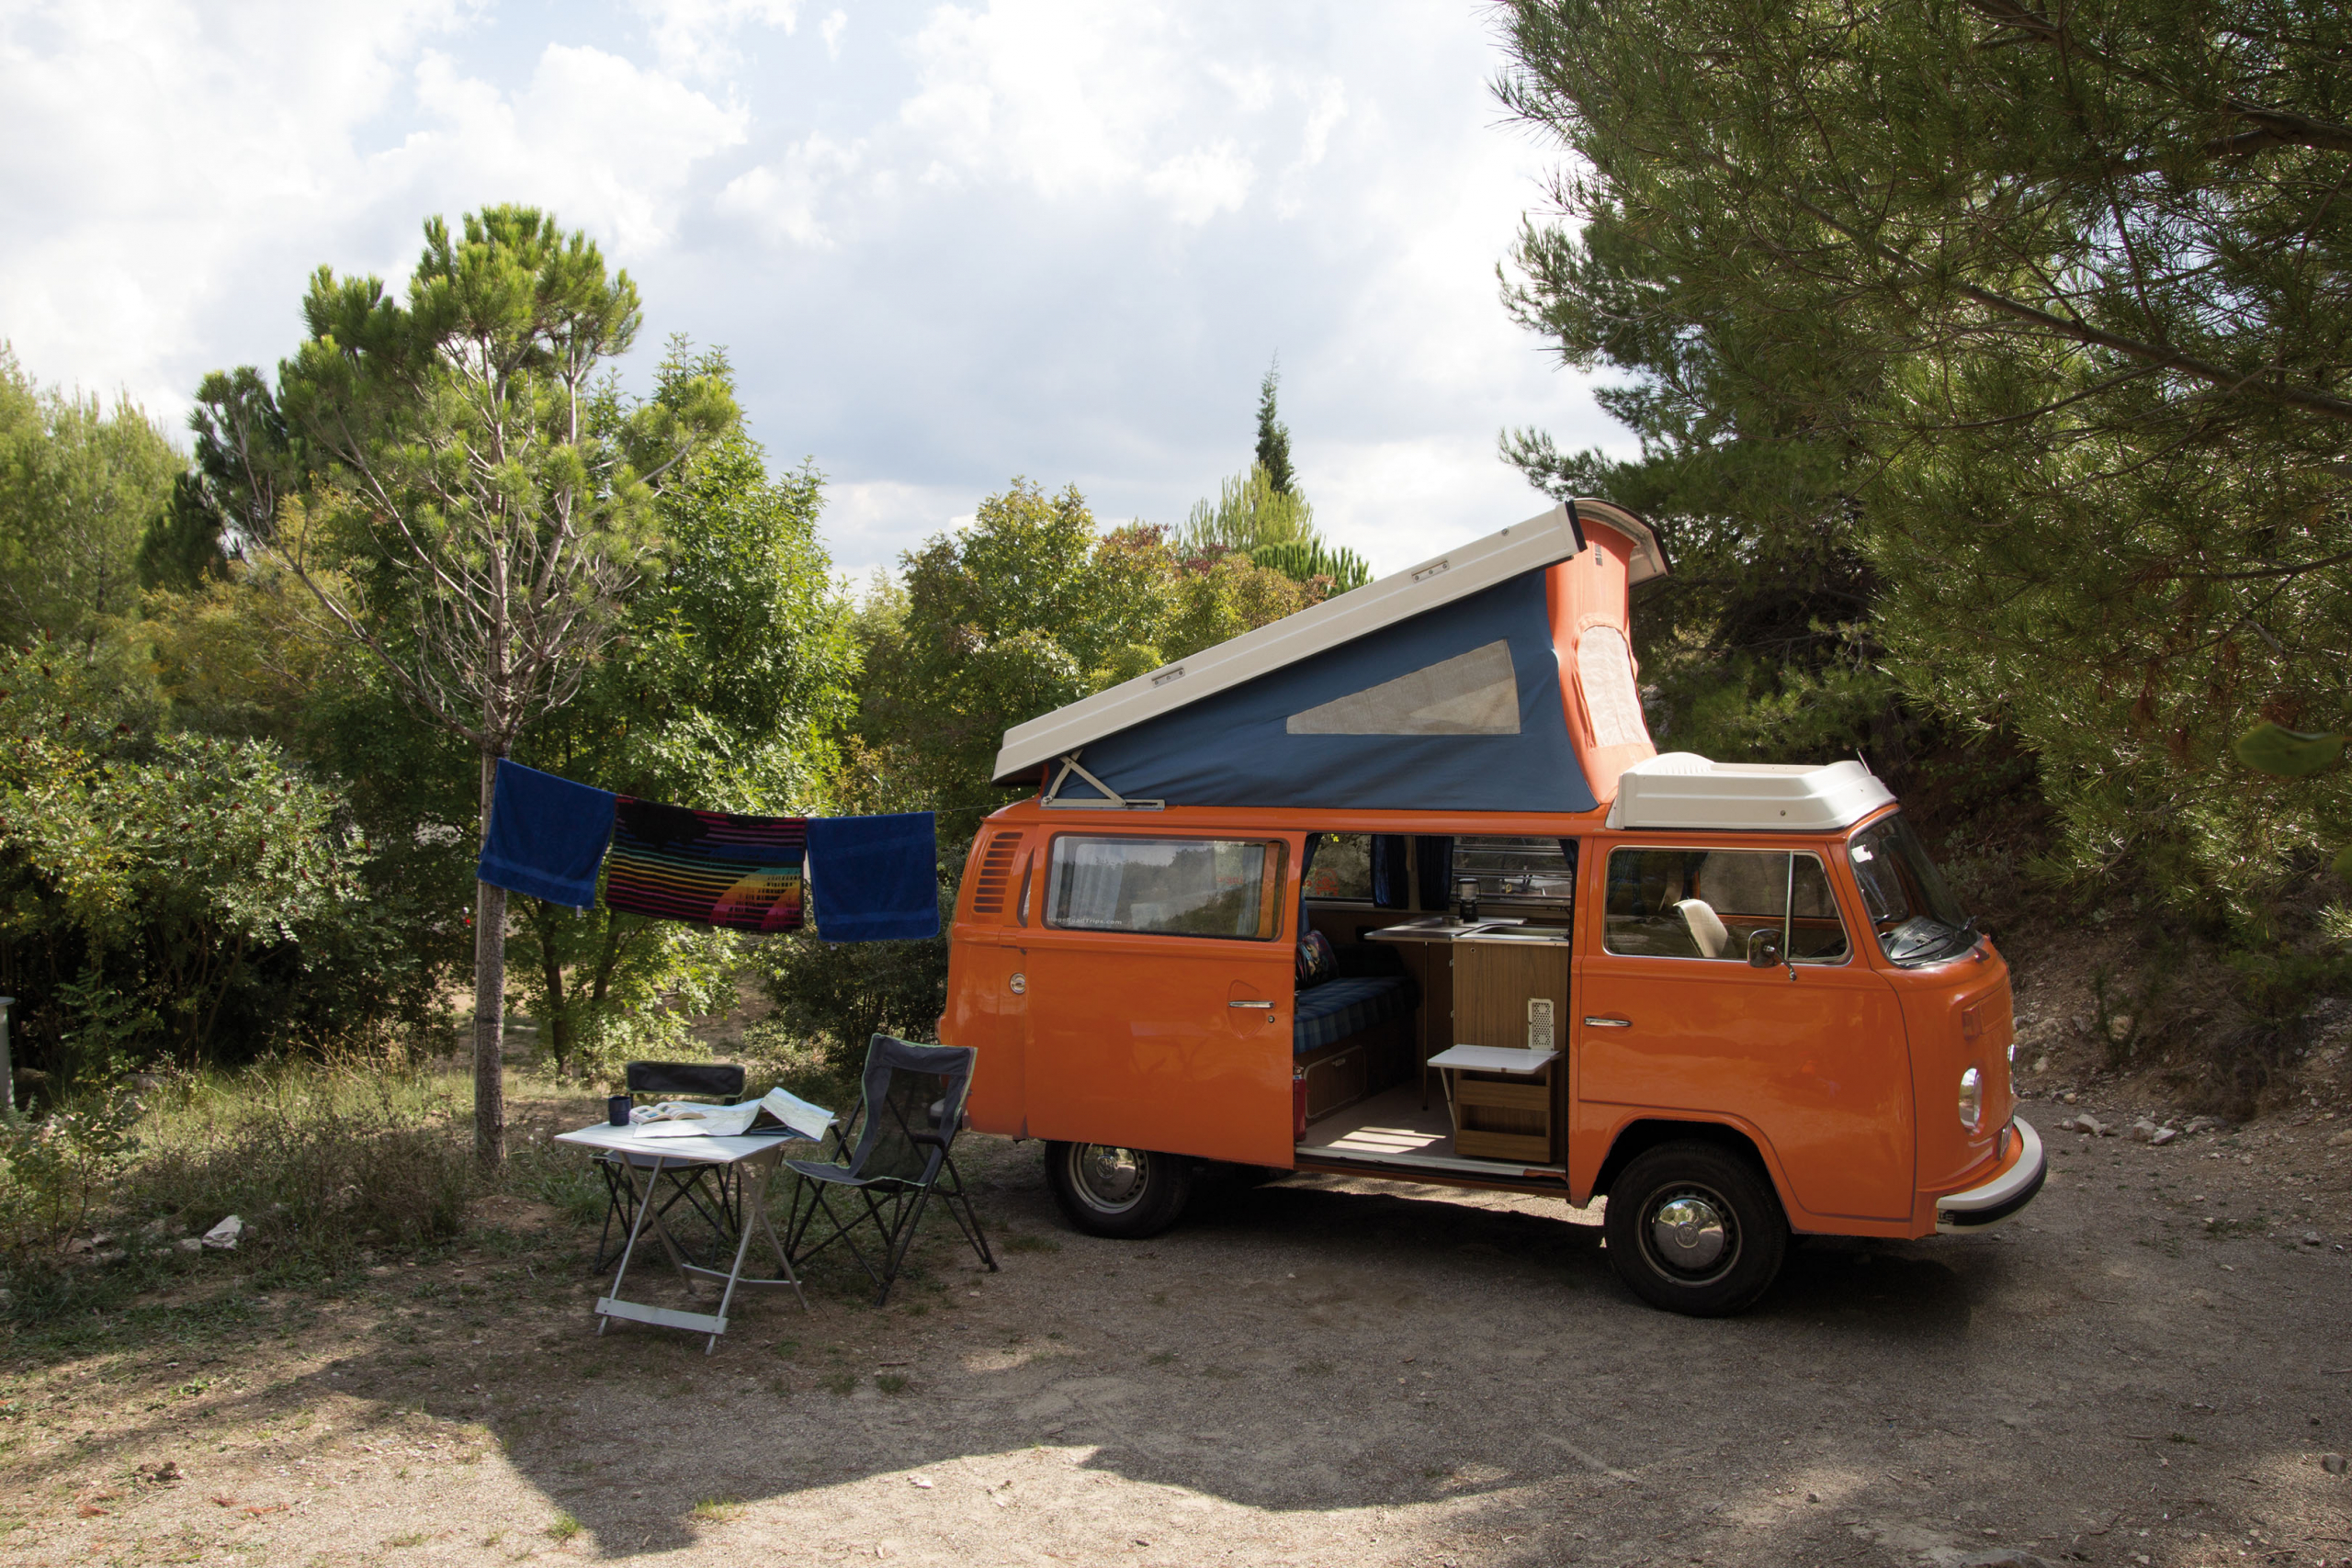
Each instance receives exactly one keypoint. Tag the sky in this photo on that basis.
(944, 244)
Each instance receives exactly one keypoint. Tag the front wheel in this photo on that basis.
(1696, 1229)
(1107, 1191)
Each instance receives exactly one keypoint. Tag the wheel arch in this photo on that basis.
(1643, 1133)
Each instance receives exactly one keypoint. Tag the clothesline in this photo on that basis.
(872, 878)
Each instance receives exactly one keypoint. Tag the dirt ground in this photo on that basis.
(2146, 1368)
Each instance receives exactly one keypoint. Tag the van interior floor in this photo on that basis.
(1395, 1128)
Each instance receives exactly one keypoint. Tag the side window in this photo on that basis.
(1707, 903)
(1341, 867)
(1221, 887)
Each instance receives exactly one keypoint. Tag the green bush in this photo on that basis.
(181, 898)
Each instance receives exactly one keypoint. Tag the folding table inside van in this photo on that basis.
(1495, 1119)
(756, 1157)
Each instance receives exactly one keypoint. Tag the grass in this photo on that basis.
(890, 1382)
(562, 1528)
(716, 1510)
(840, 1385)
(320, 1159)
(414, 1538)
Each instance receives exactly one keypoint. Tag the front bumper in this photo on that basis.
(1983, 1207)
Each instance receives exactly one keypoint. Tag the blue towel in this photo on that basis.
(547, 836)
(874, 878)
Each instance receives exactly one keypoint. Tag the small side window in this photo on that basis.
(1341, 867)
(1216, 887)
(1707, 903)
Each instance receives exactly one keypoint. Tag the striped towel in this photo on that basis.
(711, 868)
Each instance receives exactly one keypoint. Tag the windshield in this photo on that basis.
(1915, 916)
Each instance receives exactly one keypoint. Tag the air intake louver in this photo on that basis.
(996, 874)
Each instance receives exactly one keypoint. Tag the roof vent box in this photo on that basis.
(1681, 789)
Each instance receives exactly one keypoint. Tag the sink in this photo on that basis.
(1555, 935)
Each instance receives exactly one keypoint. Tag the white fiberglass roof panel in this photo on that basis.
(1681, 789)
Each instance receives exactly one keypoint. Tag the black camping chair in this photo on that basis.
(905, 1127)
(709, 1191)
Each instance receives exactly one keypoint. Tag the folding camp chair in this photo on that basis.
(711, 1192)
(905, 1127)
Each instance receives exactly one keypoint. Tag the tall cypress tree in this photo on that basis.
(1274, 435)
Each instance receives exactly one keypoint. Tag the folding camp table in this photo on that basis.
(1493, 1120)
(756, 1157)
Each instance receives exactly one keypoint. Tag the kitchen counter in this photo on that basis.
(1440, 929)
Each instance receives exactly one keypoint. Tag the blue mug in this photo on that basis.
(616, 1110)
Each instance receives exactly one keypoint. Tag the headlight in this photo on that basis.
(1972, 1098)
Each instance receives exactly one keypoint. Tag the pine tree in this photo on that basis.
(2039, 314)
(476, 508)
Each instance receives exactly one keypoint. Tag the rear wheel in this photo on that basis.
(1696, 1229)
(1105, 1190)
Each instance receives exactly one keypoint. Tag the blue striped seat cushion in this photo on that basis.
(1337, 1008)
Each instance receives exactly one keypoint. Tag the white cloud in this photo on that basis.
(1396, 503)
(1001, 237)
(1072, 100)
(781, 198)
(869, 524)
(605, 144)
(697, 36)
(1197, 185)
(1331, 107)
(163, 165)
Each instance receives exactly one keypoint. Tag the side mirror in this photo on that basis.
(1764, 950)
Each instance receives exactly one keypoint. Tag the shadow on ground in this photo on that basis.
(1464, 1359)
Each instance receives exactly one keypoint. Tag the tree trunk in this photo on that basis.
(557, 1026)
(490, 996)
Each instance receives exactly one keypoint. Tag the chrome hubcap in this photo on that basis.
(1110, 1178)
(1690, 1232)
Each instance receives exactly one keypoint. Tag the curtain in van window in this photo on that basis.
(1434, 863)
(1391, 885)
(1089, 892)
(1305, 870)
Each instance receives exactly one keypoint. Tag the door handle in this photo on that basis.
(1608, 1023)
(1249, 1004)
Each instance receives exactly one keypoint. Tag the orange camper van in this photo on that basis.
(1398, 887)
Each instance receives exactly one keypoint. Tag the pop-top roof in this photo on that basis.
(1681, 789)
(1353, 617)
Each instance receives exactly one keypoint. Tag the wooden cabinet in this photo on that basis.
(1514, 995)
(1494, 982)
(1504, 1117)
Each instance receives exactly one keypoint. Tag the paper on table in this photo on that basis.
(778, 1111)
